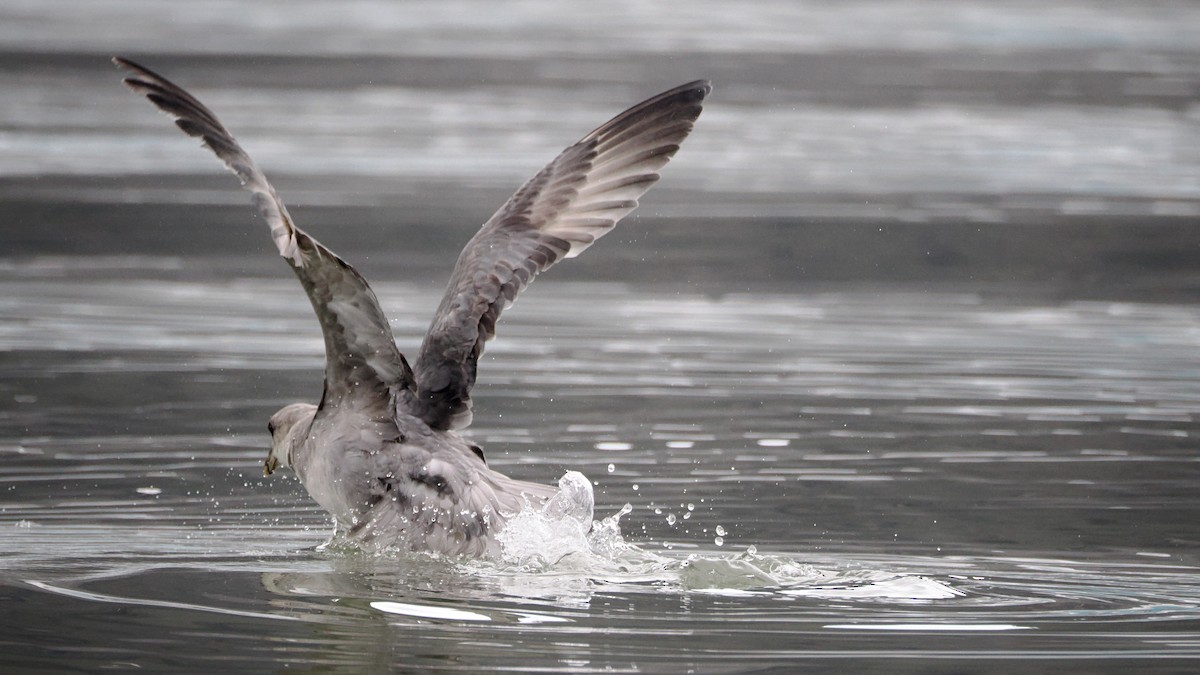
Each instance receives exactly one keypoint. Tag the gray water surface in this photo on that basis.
(921, 476)
(895, 370)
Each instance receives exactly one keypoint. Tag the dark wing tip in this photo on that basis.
(126, 64)
(684, 101)
(702, 88)
(698, 88)
(142, 78)
(692, 92)
(130, 81)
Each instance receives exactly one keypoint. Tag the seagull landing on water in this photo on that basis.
(381, 451)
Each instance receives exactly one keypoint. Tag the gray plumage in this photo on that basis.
(381, 451)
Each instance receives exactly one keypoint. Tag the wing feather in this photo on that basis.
(361, 358)
(576, 199)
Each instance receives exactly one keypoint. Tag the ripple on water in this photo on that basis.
(851, 438)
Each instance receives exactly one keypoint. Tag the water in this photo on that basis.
(895, 370)
(923, 476)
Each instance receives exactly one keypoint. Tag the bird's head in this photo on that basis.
(288, 427)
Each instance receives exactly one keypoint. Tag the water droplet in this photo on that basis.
(687, 515)
(670, 518)
(635, 487)
(720, 531)
(612, 468)
(719, 541)
(691, 507)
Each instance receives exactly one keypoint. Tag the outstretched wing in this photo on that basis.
(575, 200)
(361, 358)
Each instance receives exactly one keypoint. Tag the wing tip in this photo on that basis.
(701, 87)
(683, 102)
(130, 65)
(141, 80)
(130, 81)
(692, 92)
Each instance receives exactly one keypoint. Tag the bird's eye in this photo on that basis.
(271, 428)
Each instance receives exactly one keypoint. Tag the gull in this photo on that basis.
(382, 452)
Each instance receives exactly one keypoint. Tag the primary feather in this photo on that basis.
(578, 198)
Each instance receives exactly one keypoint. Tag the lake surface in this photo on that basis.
(923, 476)
(895, 371)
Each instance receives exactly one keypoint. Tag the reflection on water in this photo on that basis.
(845, 475)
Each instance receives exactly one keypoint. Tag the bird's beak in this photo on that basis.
(270, 465)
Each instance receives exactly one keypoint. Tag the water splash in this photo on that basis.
(540, 537)
(561, 539)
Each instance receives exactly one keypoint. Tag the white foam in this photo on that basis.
(561, 540)
(542, 537)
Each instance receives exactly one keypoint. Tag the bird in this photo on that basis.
(382, 450)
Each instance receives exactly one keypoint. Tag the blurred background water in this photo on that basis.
(911, 319)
